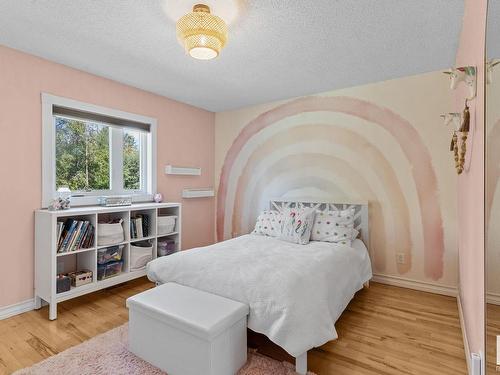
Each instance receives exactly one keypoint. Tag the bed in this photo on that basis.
(295, 292)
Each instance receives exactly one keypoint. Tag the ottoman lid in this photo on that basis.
(202, 314)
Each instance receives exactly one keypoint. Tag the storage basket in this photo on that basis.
(80, 278)
(63, 283)
(166, 224)
(166, 247)
(105, 271)
(109, 254)
(140, 254)
(110, 234)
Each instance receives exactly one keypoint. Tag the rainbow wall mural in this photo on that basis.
(337, 146)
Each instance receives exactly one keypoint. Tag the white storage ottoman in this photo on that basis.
(185, 331)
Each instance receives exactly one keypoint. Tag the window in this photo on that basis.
(82, 155)
(132, 160)
(96, 152)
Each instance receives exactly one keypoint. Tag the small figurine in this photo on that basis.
(62, 201)
(158, 198)
(59, 204)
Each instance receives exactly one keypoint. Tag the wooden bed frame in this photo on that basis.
(360, 223)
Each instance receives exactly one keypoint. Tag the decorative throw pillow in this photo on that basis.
(297, 226)
(269, 223)
(334, 226)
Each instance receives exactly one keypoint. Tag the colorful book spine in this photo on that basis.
(79, 236)
(83, 237)
(74, 236)
(70, 224)
(60, 228)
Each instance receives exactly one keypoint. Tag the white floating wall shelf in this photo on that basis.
(183, 171)
(198, 193)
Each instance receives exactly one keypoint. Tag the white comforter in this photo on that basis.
(295, 292)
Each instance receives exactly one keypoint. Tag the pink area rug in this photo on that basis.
(108, 354)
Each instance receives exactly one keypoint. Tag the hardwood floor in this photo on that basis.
(492, 330)
(385, 330)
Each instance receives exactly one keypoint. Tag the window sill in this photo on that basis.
(94, 200)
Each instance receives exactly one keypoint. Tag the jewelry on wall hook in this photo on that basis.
(464, 132)
(453, 141)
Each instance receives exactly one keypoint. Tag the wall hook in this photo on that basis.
(466, 74)
(489, 69)
(453, 118)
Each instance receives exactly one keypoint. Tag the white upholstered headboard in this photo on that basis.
(360, 212)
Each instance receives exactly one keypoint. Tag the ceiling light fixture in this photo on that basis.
(202, 34)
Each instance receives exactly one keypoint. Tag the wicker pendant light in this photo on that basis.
(202, 34)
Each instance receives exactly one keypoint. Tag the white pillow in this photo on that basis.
(334, 226)
(297, 226)
(269, 223)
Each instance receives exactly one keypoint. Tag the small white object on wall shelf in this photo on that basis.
(183, 171)
(198, 193)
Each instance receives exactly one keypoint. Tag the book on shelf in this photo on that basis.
(75, 235)
(60, 226)
(145, 225)
(68, 230)
(139, 226)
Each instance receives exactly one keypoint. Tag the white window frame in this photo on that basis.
(148, 153)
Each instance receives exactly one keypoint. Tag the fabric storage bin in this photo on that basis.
(109, 254)
(63, 283)
(166, 247)
(105, 271)
(110, 234)
(166, 224)
(140, 254)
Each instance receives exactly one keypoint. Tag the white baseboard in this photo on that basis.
(21, 307)
(17, 308)
(417, 285)
(493, 298)
(464, 333)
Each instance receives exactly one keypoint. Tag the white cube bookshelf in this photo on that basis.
(49, 263)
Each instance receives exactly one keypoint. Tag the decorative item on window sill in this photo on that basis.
(455, 143)
(158, 198)
(62, 201)
(115, 201)
(466, 74)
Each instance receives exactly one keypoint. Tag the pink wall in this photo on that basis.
(185, 137)
(471, 51)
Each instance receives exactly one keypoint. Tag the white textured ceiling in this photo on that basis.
(277, 48)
